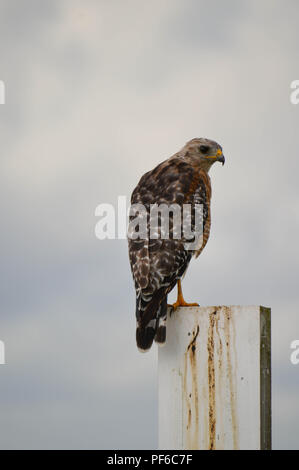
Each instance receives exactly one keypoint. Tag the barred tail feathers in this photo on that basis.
(151, 321)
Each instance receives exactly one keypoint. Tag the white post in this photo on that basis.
(215, 379)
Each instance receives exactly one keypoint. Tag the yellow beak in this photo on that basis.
(219, 157)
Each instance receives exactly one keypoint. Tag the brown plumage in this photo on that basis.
(157, 263)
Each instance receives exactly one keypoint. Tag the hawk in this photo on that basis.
(159, 262)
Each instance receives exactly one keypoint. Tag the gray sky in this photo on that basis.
(97, 93)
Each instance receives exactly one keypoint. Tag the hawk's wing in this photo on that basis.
(155, 262)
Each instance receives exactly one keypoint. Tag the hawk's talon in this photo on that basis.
(184, 304)
(180, 302)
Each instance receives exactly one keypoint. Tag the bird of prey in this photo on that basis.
(159, 262)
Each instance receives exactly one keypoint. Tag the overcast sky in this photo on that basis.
(98, 93)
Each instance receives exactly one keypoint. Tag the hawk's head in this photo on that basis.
(205, 152)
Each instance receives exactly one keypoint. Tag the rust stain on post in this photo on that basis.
(220, 347)
(219, 380)
(211, 377)
(232, 380)
(191, 398)
(218, 319)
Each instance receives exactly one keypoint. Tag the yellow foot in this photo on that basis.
(180, 302)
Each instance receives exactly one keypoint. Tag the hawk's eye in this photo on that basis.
(204, 148)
